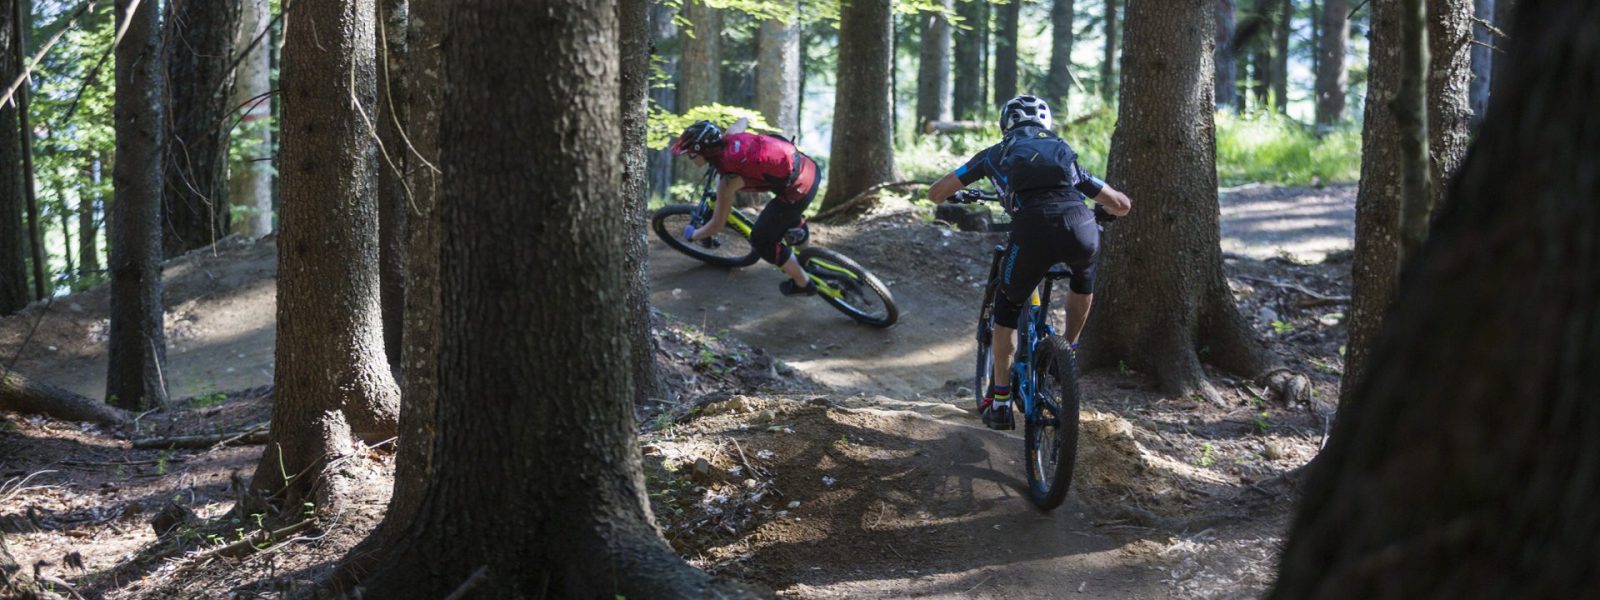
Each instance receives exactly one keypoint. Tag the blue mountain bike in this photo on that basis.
(1044, 380)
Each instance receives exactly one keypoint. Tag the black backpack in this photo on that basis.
(1032, 159)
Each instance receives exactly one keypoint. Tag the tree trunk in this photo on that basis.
(1411, 120)
(559, 402)
(633, 19)
(1162, 295)
(1005, 52)
(865, 157)
(1058, 81)
(66, 233)
(699, 69)
(1468, 469)
(393, 195)
(332, 380)
(20, 394)
(933, 67)
(13, 261)
(1482, 60)
(1449, 75)
(250, 182)
(21, 25)
(777, 69)
(662, 31)
(1331, 79)
(986, 55)
(1280, 57)
(200, 79)
(1226, 76)
(135, 378)
(1261, 76)
(966, 94)
(1379, 235)
(88, 246)
(1108, 66)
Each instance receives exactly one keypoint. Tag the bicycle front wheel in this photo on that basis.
(850, 288)
(1051, 436)
(726, 249)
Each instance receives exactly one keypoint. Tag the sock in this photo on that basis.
(1001, 393)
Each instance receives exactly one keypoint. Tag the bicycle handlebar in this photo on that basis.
(972, 196)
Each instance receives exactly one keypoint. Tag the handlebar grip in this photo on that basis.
(1101, 216)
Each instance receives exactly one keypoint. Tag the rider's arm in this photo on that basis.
(1115, 202)
(944, 187)
(976, 168)
(730, 187)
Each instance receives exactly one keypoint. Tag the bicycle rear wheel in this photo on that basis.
(860, 295)
(1051, 436)
(985, 367)
(726, 249)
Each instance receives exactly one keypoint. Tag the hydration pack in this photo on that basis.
(1032, 159)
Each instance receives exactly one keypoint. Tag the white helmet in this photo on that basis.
(1022, 109)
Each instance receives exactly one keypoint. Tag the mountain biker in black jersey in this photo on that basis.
(1037, 175)
(760, 163)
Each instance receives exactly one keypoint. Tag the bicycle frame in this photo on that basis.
(743, 225)
(1033, 329)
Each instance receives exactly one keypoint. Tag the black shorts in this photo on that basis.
(1040, 238)
(776, 219)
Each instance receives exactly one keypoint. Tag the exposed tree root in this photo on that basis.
(20, 394)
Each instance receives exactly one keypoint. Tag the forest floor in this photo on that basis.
(799, 450)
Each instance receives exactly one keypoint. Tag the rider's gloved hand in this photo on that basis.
(688, 233)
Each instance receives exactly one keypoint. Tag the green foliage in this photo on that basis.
(1208, 455)
(1272, 148)
(209, 400)
(665, 126)
(1282, 327)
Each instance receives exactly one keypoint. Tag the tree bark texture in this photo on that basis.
(777, 69)
(332, 379)
(393, 191)
(1411, 119)
(864, 157)
(538, 484)
(1226, 75)
(1005, 51)
(138, 353)
(699, 69)
(1482, 59)
(1331, 73)
(199, 54)
(1468, 469)
(1108, 66)
(633, 20)
(966, 94)
(1058, 80)
(1162, 296)
(13, 262)
(1280, 56)
(250, 182)
(1449, 74)
(23, 395)
(663, 33)
(933, 67)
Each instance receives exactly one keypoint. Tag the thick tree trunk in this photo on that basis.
(250, 182)
(393, 193)
(13, 262)
(1280, 56)
(199, 59)
(865, 157)
(135, 378)
(1379, 233)
(966, 94)
(699, 69)
(1108, 66)
(777, 69)
(1331, 78)
(1058, 80)
(1226, 76)
(633, 19)
(1482, 59)
(559, 402)
(1449, 82)
(1467, 471)
(1005, 51)
(20, 394)
(1411, 120)
(88, 230)
(1162, 295)
(933, 67)
(332, 379)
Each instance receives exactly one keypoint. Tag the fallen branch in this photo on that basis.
(251, 543)
(856, 199)
(256, 434)
(1316, 298)
(20, 394)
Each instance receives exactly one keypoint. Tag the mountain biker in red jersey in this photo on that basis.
(758, 163)
(1038, 176)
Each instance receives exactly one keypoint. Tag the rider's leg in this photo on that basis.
(1077, 314)
(792, 268)
(1005, 347)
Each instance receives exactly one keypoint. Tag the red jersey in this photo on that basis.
(767, 163)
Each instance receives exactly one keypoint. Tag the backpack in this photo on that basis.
(1033, 159)
(765, 161)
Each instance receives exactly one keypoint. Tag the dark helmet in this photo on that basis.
(1023, 109)
(697, 138)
